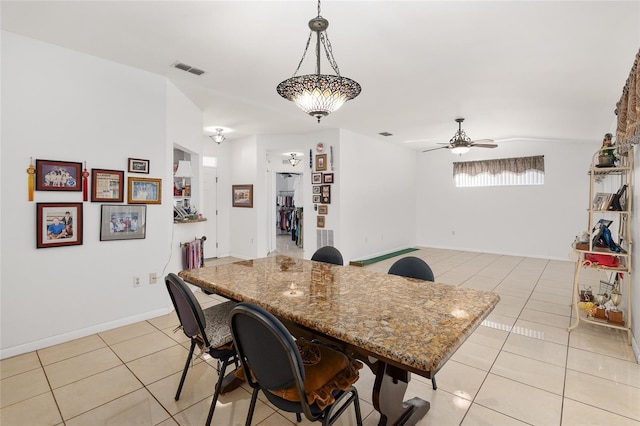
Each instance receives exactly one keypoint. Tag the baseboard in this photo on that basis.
(77, 334)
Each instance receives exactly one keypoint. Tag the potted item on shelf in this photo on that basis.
(607, 155)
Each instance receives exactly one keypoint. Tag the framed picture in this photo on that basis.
(315, 189)
(601, 201)
(316, 199)
(144, 190)
(58, 176)
(316, 178)
(321, 162)
(320, 222)
(107, 185)
(123, 222)
(327, 178)
(323, 209)
(325, 194)
(59, 224)
(242, 195)
(136, 165)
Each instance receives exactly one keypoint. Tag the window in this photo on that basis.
(500, 172)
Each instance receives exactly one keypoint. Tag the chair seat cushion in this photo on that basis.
(217, 323)
(328, 370)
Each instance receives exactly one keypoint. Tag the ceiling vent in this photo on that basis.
(385, 134)
(187, 68)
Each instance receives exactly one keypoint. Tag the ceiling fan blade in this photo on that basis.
(484, 145)
(433, 149)
(482, 141)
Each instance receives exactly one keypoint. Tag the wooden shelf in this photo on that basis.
(204, 219)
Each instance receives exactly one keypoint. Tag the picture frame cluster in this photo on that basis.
(62, 223)
(321, 182)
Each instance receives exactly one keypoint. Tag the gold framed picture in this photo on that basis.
(144, 190)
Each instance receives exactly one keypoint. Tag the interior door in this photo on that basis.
(210, 207)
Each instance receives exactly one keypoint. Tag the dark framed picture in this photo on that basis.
(316, 178)
(137, 165)
(107, 185)
(316, 199)
(58, 224)
(323, 209)
(123, 222)
(327, 178)
(325, 194)
(58, 176)
(321, 162)
(320, 222)
(242, 195)
(315, 189)
(144, 190)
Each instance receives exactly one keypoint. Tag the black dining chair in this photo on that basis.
(414, 267)
(209, 329)
(272, 362)
(328, 254)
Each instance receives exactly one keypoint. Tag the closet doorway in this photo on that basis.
(289, 214)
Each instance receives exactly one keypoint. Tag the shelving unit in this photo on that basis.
(604, 180)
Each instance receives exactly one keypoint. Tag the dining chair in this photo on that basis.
(414, 267)
(209, 330)
(273, 364)
(328, 254)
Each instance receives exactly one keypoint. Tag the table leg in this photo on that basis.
(388, 394)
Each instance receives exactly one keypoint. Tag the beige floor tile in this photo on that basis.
(159, 365)
(606, 367)
(588, 389)
(73, 369)
(475, 355)
(554, 320)
(23, 386)
(446, 409)
(171, 422)
(165, 321)
(70, 349)
(541, 331)
(199, 385)
(39, 410)
(482, 416)
(491, 334)
(505, 288)
(176, 335)
(602, 345)
(460, 379)
(142, 346)
(518, 400)
(136, 408)
(127, 332)
(19, 364)
(276, 419)
(576, 413)
(530, 371)
(549, 307)
(87, 394)
(549, 352)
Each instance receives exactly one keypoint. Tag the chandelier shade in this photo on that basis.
(294, 160)
(218, 137)
(319, 94)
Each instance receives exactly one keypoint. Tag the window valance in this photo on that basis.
(518, 165)
(628, 108)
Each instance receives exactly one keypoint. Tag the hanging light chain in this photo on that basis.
(324, 37)
(303, 54)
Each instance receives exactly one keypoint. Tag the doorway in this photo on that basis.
(289, 217)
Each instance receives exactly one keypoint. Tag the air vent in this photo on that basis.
(385, 134)
(188, 68)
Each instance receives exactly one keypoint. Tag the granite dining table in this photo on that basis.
(395, 325)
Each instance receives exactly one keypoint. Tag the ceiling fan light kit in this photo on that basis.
(460, 143)
(319, 94)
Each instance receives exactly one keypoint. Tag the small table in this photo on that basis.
(395, 325)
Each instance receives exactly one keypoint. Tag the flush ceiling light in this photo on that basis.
(218, 137)
(319, 94)
(294, 160)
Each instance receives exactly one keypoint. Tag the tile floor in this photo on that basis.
(520, 367)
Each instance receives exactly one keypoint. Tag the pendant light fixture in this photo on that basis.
(218, 137)
(294, 160)
(319, 94)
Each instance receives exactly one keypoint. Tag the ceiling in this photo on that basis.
(540, 70)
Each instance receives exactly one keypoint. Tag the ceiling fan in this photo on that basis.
(460, 143)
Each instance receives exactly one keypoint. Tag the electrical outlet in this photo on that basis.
(136, 281)
(153, 278)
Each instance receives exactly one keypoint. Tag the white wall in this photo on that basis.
(377, 196)
(59, 104)
(536, 221)
(635, 265)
